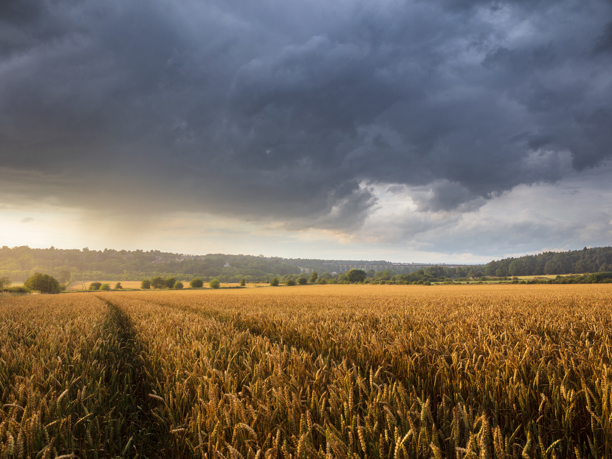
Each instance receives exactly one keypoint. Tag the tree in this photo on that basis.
(242, 282)
(313, 277)
(118, 286)
(170, 282)
(145, 284)
(356, 275)
(214, 283)
(381, 275)
(158, 282)
(291, 282)
(43, 283)
(302, 281)
(95, 286)
(105, 287)
(274, 282)
(178, 285)
(4, 282)
(196, 283)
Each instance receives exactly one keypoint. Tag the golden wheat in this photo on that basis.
(316, 371)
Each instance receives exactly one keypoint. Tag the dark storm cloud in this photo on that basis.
(288, 110)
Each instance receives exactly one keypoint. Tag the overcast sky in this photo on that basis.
(438, 130)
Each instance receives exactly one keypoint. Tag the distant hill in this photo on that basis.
(597, 259)
(18, 263)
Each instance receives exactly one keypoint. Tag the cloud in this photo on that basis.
(291, 112)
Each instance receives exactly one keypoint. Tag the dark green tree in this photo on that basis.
(302, 281)
(356, 275)
(274, 282)
(145, 284)
(105, 287)
(42, 283)
(95, 286)
(313, 277)
(291, 282)
(242, 282)
(118, 286)
(178, 285)
(158, 282)
(170, 282)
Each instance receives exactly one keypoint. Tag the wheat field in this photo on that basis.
(483, 371)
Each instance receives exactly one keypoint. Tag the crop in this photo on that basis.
(312, 371)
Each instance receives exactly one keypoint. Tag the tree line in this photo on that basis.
(583, 261)
(20, 263)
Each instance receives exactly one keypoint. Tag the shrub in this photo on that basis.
(118, 286)
(214, 283)
(178, 285)
(196, 283)
(95, 286)
(302, 281)
(43, 283)
(242, 282)
(145, 284)
(290, 282)
(105, 287)
(274, 282)
(16, 289)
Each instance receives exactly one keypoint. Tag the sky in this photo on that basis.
(425, 131)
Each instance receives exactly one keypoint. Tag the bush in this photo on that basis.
(118, 286)
(290, 282)
(43, 283)
(302, 281)
(105, 287)
(196, 283)
(274, 282)
(95, 286)
(242, 282)
(145, 284)
(178, 285)
(214, 283)
(15, 289)
(321, 281)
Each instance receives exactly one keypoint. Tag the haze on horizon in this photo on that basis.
(430, 131)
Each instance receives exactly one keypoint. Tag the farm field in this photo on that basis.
(84, 285)
(469, 371)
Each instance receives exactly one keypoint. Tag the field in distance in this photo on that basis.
(79, 285)
(488, 371)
